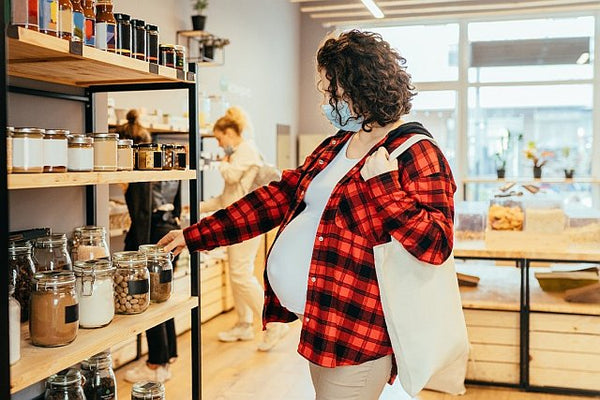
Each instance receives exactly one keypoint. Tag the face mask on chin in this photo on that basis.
(349, 122)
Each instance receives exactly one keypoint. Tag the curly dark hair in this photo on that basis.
(372, 75)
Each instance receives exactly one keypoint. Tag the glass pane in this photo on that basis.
(558, 119)
(436, 110)
(440, 60)
(532, 50)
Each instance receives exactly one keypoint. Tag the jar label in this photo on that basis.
(55, 153)
(181, 160)
(166, 276)
(48, 15)
(65, 21)
(81, 159)
(28, 152)
(105, 36)
(138, 287)
(90, 31)
(157, 159)
(78, 25)
(71, 313)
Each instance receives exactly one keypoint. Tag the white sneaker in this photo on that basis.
(274, 333)
(144, 373)
(239, 332)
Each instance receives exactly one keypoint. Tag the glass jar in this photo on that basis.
(94, 283)
(150, 156)
(28, 150)
(65, 19)
(123, 34)
(56, 148)
(180, 157)
(90, 23)
(22, 267)
(80, 153)
(160, 266)
(168, 150)
(125, 155)
(25, 13)
(89, 243)
(506, 214)
(54, 319)
(131, 282)
(78, 21)
(106, 26)
(100, 380)
(148, 391)
(167, 55)
(138, 39)
(14, 327)
(48, 17)
(152, 41)
(9, 149)
(66, 385)
(180, 62)
(105, 151)
(50, 253)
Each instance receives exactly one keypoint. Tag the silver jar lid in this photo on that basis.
(53, 279)
(106, 136)
(65, 378)
(55, 240)
(148, 388)
(92, 267)
(81, 139)
(125, 142)
(34, 131)
(53, 132)
(89, 231)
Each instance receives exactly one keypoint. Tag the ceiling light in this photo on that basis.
(376, 11)
(583, 58)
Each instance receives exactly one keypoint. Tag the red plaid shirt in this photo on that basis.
(343, 319)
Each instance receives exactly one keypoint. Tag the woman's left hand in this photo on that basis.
(378, 163)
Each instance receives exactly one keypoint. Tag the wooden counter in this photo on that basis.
(478, 249)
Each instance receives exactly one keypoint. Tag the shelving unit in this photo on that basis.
(38, 57)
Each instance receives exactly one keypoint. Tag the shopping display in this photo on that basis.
(90, 23)
(25, 13)
(28, 150)
(95, 292)
(80, 154)
(160, 266)
(123, 34)
(66, 385)
(150, 157)
(105, 151)
(100, 380)
(78, 21)
(131, 282)
(56, 147)
(125, 155)
(138, 39)
(89, 243)
(51, 254)
(22, 269)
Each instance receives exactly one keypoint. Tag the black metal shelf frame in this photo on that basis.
(88, 99)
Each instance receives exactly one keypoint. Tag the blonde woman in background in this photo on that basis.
(238, 169)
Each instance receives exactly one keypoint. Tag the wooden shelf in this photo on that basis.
(113, 128)
(478, 249)
(493, 179)
(41, 57)
(498, 288)
(33, 181)
(37, 363)
(194, 34)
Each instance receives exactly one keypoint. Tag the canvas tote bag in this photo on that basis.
(423, 313)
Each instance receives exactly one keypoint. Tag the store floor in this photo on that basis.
(238, 372)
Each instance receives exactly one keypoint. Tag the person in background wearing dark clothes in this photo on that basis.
(133, 129)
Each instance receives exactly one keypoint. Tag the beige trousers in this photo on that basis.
(248, 294)
(352, 382)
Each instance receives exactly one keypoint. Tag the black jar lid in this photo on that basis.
(152, 28)
(138, 23)
(123, 17)
(148, 145)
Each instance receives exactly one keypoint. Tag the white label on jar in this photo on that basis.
(28, 152)
(96, 302)
(81, 159)
(55, 152)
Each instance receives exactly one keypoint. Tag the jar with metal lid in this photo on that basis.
(9, 149)
(100, 380)
(56, 148)
(94, 283)
(54, 319)
(123, 34)
(80, 154)
(25, 13)
(152, 41)
(179, 157)
(150, 156)
(22, 269)
(50, 253)
(167, 55)
(28, 150)
(160, 266)
(90, 23)
(131, 282)
(180, 60)
(105, 151)
(148, 391)
(138, 39)
(48, 16)
(125, 155)
(65, 19)
(66, 385)
(106, 26)
(14, 327)
(167, 150)
(89, 243)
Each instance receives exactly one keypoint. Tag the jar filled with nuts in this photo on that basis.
(131, 282)
(160, 266)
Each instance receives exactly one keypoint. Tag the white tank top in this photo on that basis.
(290, 258)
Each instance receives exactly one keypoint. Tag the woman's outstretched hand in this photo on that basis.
(173, 241)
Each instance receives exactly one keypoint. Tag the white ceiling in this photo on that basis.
(352, 12)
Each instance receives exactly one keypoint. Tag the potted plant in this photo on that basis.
(539, 158)
(199, 20)
(501, 156)
(569, 169)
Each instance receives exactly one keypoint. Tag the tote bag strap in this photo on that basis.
(408, 143)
